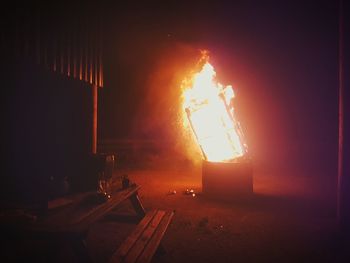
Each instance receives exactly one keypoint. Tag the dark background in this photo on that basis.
(280, 56)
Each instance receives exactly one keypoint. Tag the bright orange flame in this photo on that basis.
(209, 109)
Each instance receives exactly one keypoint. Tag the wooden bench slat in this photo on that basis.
(153, 244)
(144, 238)
(101, 210)
(79, 215)
(119, 255)
(60, 217)
(69, 221)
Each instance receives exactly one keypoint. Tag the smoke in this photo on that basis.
(161, 117)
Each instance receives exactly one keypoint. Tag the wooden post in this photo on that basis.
(96, 69)
(100, 70)
(94, 118)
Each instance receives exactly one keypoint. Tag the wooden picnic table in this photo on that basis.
(71, 222)
(87, 208)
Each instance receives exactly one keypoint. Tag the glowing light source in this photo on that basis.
(210, 112)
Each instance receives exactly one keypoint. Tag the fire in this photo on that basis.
(208, 106)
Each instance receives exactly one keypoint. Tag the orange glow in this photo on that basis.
(210, 113)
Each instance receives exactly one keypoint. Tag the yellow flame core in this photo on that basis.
(209, 109)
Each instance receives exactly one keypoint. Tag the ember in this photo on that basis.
(209, 107)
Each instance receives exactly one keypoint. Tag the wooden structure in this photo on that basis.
(71, 222)
(143, 242)
(60, 39)
(69, 219)
(52, 68)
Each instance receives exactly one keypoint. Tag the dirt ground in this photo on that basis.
(290, 218)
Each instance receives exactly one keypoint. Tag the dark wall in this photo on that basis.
(46, 111)
(46, 131)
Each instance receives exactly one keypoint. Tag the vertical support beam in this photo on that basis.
(100, 70)
(94, 119)
(96, 68)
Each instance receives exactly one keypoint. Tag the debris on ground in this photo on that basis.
(190, 192)
(218, 228)
(173, 192)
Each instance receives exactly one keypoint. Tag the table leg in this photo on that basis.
(136, 203)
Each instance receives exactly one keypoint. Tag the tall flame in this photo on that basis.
(209, 109)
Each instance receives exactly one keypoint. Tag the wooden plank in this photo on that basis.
(56, 218)
(122, 251)
(153, 244)
(79, 215)
(99, 211)
(136, 203)
(144, 238)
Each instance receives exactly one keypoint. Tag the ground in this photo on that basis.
(290, 218)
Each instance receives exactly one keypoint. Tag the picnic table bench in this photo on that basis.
(69, 220)
(143, 242)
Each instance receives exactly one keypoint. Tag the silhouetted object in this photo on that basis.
(125, 181)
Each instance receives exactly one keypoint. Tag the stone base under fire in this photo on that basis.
(227, 180)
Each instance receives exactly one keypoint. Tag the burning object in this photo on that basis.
(209, 107)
